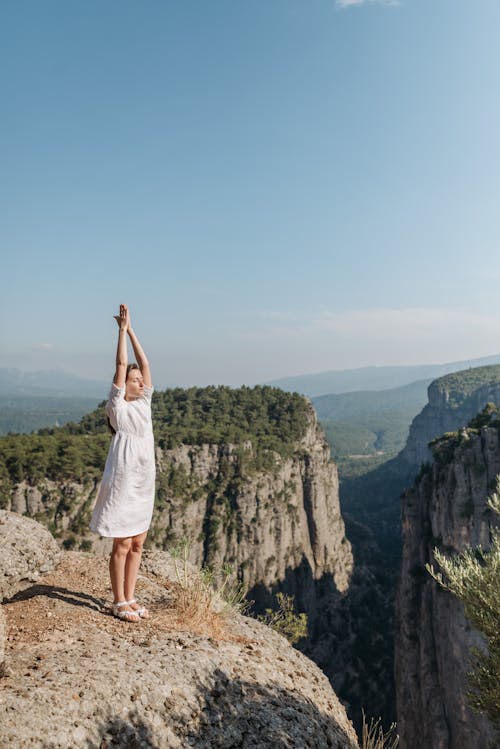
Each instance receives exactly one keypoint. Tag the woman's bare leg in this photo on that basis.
(117, 567)
(132, 563)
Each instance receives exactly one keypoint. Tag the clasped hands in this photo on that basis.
(123, 319)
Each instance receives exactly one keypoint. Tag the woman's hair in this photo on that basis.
(130, 367)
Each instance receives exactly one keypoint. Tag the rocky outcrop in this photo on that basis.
(27, 550)
(445, 509)
(267, 524)
(453, 401)
(81, 678)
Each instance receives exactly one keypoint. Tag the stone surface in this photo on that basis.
(446, 509)
(27, 549)
(81, 678)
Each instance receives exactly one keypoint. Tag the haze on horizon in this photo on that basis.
(274, 188)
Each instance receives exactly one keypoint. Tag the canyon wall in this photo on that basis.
(453, 401)
(445, 509)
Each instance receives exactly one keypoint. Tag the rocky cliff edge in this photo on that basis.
(72, 675)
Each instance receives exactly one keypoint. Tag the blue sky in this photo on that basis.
(275, 187)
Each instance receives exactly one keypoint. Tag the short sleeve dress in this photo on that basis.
(124, 504)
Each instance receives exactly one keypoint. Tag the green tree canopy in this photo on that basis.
(271, 419)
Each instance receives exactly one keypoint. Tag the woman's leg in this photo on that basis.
(117, 566)
(132, 568)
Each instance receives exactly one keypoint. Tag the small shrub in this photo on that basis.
(204, 596)
(284, 619)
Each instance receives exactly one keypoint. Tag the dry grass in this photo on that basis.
(203, 599)
(373, 736)
(193, 608)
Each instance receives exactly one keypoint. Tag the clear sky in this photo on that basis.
(274, 187)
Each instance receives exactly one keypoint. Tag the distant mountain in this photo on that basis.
(55, 383)
(351, 406)
(373, 378)
(368, 422)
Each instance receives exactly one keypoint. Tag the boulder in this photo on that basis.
(27, 550)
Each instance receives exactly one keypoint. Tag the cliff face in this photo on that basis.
(279, 527)
(446, 509)
(450, 407)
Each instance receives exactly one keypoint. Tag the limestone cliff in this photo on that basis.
(453, 401)
(445, 509)
(76, 677)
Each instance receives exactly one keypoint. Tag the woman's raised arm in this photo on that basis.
(141, 357)
(121, 350)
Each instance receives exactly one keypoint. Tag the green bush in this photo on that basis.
(284, 620)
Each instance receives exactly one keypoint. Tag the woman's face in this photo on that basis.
(134, 385)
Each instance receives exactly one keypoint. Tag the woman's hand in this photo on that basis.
(123, 319)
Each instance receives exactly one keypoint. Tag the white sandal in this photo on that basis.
(128, 616)
(140, 611)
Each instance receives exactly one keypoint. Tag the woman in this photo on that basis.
(124, 504)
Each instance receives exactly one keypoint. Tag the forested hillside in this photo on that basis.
(366, 428)
(268, 418)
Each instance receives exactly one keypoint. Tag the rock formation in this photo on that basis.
(453, 401)
(445, 509)
(26, 551)
(81, 678)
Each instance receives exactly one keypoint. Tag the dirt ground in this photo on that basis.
(77, 594)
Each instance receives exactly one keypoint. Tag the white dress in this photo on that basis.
(124, 504)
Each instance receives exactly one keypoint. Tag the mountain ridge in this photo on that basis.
(60, 382)
(373, 378)
(49, 382)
